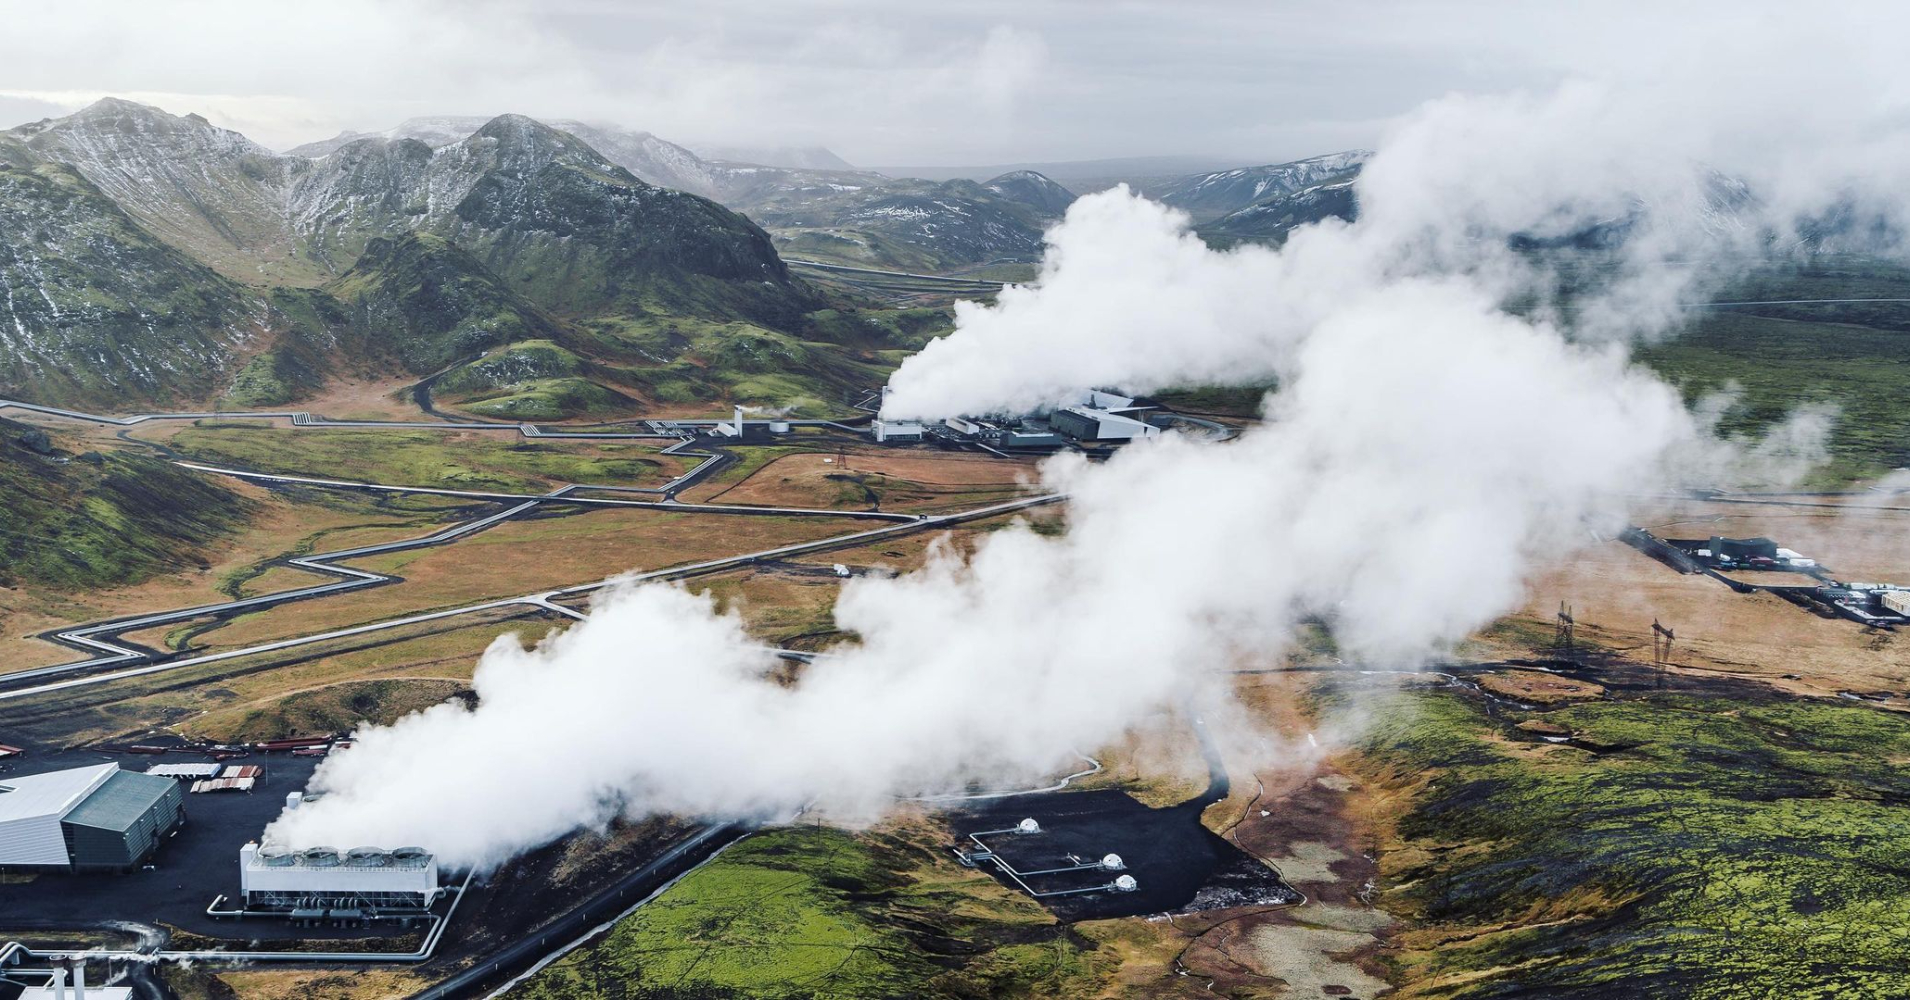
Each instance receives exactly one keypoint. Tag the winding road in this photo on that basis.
(102, 640)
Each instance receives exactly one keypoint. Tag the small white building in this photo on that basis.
(328, 878)
(898, 430)
(729, 428)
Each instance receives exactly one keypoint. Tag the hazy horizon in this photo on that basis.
(934, 85)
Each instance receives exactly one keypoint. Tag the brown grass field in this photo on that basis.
(283, 524)
(1616, 592)
(520, 557)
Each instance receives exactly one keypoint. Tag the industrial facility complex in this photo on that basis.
(1042, 874)
(98, 818)
(1095, 418)
(1736, 562)
(362, 884)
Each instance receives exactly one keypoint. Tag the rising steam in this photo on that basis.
(1427, 446)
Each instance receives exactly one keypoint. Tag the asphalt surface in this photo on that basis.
(198, 863)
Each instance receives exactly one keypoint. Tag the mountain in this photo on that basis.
(1212, 195)
(1270, 220)
(95, 309)
(1032, 189)
(790, 157)
(429, 303)
(432, 130)
(156, 258)
(537, 204)
(1082, 176)
(651, 159)
(813, 202)
(209, 191)
(906, 223)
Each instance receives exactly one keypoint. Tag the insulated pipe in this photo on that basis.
(59, 983)
(79, 981)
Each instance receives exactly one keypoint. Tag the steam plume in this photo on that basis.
(1425, 449)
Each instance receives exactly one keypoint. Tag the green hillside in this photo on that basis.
(95, 310)
(426, 303)
(93, 520)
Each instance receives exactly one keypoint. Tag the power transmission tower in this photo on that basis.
(1563, 645)
(1661, 650)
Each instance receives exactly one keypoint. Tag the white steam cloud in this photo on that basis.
(1426, 448)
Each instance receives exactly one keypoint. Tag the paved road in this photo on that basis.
(99, 639)
(654, 430)
(544, 600)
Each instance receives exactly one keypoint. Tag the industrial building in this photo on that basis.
(1084, 423)
(96, 818)
(325, 882)
(1877, 604)
(898, 430)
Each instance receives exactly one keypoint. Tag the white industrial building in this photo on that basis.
(1088, 424)
(898, 430)
(328, 879)
(86, 818)
(30, 811)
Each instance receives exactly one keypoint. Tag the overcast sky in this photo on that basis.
(881, 83)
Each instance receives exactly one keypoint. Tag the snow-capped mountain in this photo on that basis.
(1032, 189)
(1212, 195)
(92, 306)
(652, 160)
(200, 239)
(1271, 219)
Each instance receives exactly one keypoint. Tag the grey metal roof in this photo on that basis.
(51, 793)
(121, 801)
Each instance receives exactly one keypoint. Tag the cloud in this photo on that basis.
(1043, 81)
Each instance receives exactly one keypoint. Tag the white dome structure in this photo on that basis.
(1126, 883)
(1113, 863)
(1027, 826)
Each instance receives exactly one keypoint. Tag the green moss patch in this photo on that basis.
(1713, 847)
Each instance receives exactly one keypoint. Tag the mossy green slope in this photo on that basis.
(821, 913)
(425, 302)
(95, 520)
(1719, 848)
